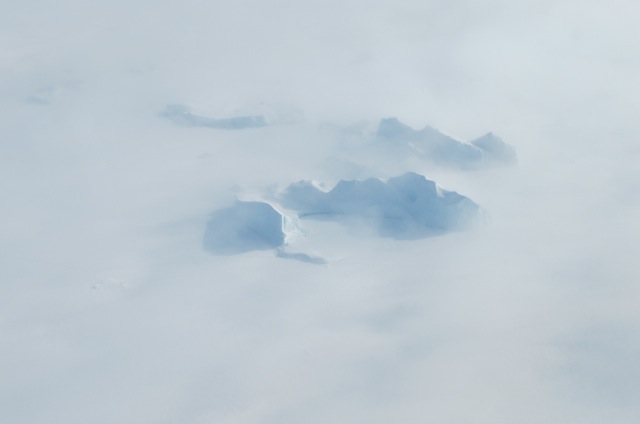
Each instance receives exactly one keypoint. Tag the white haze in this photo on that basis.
(111, 312)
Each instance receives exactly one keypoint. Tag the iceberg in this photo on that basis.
(404, 207)
(244, 227)
(439, 148)
(273, 113)
(182, 115)
(495, 149)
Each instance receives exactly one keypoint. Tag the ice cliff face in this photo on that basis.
(408, 206)
(244, 227)
(432, 145)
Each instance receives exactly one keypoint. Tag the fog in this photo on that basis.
(112, 311)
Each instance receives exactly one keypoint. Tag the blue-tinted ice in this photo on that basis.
(244, 227)
(408, 206)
